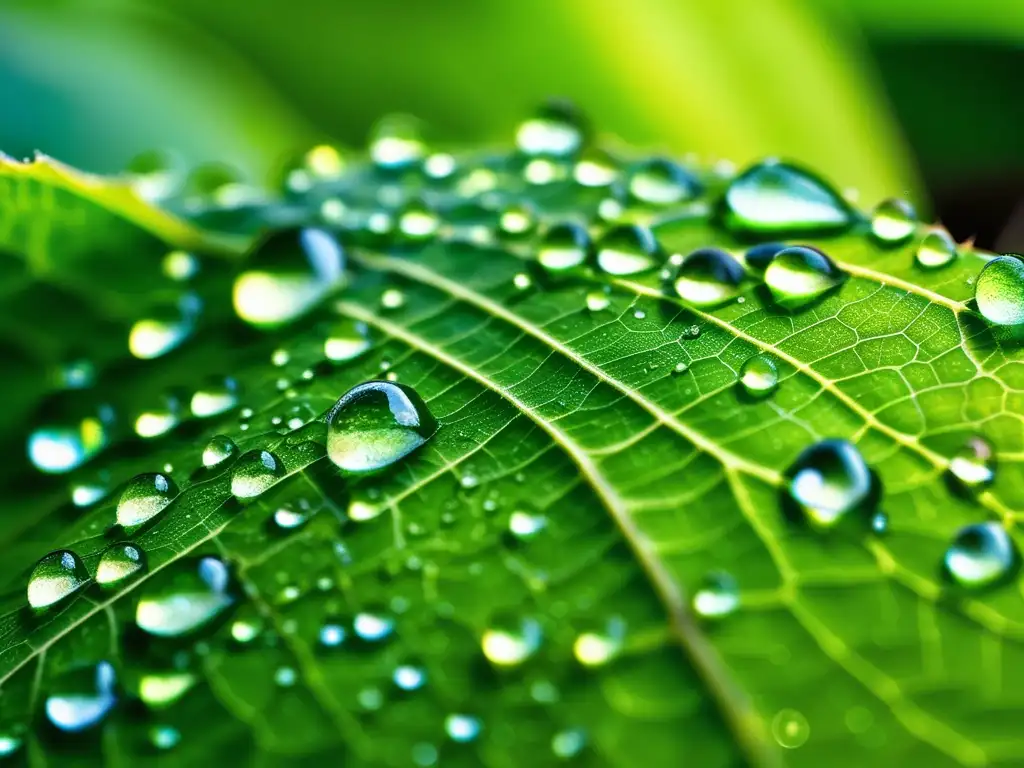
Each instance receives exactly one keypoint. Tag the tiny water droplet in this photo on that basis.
(680, 367)
(118, 563)
(160, 419)
(510, 640)
(598, 301)
(759, 377)
(76, 374)
(417, 222)
(254, 473)
(331, 635)
(439, 165)
(707, 277)
(346, 340)
(557, 129)
(717, 597)
(165, 328)
(660, 182)
(522, 281)
(974, 465)
(628, 249)
(564, 247)
(82, 698)
(880, 522)
(1000, 291)
(774, 198)
(392, 298)
(462, 728)
(214, 398)
(893, 222)
(936, 249)
(800, 274)
(188, 598)
(55, 577)
(247, 626)
(396, 142)
(790, 729)
(525, 525)
(218, 450)
(285, 677)
(597, 647)
(144, 497)
(288, 272)
(164, 737)
(981, 555)
(409, 677)
(828, 480)
(639, 314)
(180, 266)
(375, 424)
(288, 519)
(86, 492)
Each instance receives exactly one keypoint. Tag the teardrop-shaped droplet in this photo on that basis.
(893, 222)
(556, 129)
(981, 555)
(511, 640)
(974, 465)
(254, 473)
(145, 496)
(564, 247)
(287, 274)
(185, 599)
(54, 577)
(417, 222)
(59, 448)
(773, 198)
(218, 450)
(936, 249)
(707, 277)
(346, 340)
(82, 698)
(628, 249)
(759, 376)
(119, 562)
(1000, 291)
(717, 597)
(159, 419)
(800, 274)
(660, 182)
(396, 142)
(214, 398)
(827, 482)
(164, 328)
(375, 424)
(760, 256)
(600, 645)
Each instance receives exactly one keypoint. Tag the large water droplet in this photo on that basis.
(707, 277)
(564, 247)
(510, 640)
(827, 481)
(186, 600)
(893, 222)
(255, 472)
(799, 274)
(773, 198)
(54, 577)
(214, 398)
(58, 448)
(759, 377)
(375, 424)
(218, 450)
(118, 562)
(981, 555)
(717, 597)
(287, 274)
(145, 496)
(661, 182)
(1000, 291)
(974, 465)
(628, 249)
(82, 698)
(936, 249)
(557, 129)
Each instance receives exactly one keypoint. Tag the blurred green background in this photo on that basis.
(888, 97)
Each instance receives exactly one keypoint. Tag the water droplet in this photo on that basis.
(54, 577)
(880, 522)
(680, 367)
(708, 277)
(800, 274)
(289, 519)
(510, 641)
(424, 755)
(165, 328)
(417, 222)
(370, 698)
(145, 496)
(462, 728)
(827, 481)
(774, 198)
(981, 555)
(216, 397)
(76, 374)
(717, 597)
(936, 249)
(568, 743)
(287, 274)
(83, 698)
(628, 249)
(974, 465)
(372, 627)
(598, 301)
(790, 729)
(517, 220)
(525, 525)
(760, 256)
(159, 420)
(409, 677)
(164, 737)
(118, 562)
(160, 690)
(331, 635)
(188, 598)
(59, 448)
(285, 677)
(557, 129)
(564, 246)
(396, 142)
(759, 377)
(247, 626)
(254, 473)
(392, 298)
(893, 222)
(1000, 291)
(661, 182)
(86, 492)
(439, 165)
(522, 281)
(595, 168)
(596, 648)
(218, 450)
(375, 424)
(180, 266)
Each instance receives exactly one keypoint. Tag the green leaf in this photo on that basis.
(520, 587)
